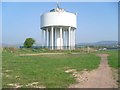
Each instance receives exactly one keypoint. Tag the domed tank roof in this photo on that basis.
(58, 9)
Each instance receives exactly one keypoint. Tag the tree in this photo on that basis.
(29, 42)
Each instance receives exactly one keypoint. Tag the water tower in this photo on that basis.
(58, 29)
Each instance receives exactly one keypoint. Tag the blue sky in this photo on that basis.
(97, 21)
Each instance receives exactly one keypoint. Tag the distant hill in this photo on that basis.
(16, 45)
(107, 43)
(5, 45)
(11, 45)
(100, 43)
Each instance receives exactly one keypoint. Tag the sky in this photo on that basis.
(96, 21)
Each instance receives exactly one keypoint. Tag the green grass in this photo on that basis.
(48, 70)
(113, 59)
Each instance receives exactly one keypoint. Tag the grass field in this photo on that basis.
(47, 70)
(113, 59)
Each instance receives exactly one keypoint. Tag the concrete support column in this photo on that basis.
(71, 38)
(69, 32)
(64, 39)
(42, 38)
(67, 39)
(55, 38)
(52, 37)
(47, 38)
(61, 42)
(74, 37)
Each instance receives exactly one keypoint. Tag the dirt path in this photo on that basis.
(37, 54)
(101, 77)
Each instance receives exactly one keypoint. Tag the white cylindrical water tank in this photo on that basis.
(58, 19)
